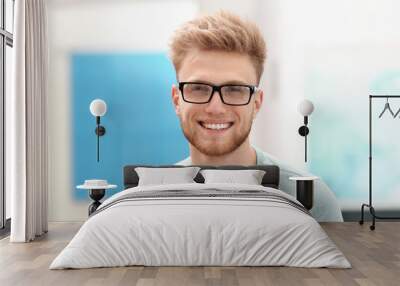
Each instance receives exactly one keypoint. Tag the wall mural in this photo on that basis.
(141, 125)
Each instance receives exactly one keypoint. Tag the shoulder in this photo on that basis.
(326, 207)
(185, 162)
(264, 158)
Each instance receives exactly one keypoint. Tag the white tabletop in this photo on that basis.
(86, 187)
(310, 178)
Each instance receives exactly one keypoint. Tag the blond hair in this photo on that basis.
(221, 31)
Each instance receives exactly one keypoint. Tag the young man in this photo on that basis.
(219, 61)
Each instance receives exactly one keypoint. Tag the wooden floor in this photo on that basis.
(374, 255)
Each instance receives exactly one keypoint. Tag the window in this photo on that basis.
(6, 44)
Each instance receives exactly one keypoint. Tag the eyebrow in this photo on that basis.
(238, 82)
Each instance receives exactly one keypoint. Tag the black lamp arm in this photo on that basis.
(303, 131)
(100, 131)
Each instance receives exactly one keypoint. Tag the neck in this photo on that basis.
(243, 155)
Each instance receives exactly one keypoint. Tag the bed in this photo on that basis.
(201, 223)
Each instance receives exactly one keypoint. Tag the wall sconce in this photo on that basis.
(305, 108)
(98, 108)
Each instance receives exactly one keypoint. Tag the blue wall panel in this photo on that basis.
(141, 125)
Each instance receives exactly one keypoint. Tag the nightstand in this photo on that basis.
(305, 190)
(97, 189)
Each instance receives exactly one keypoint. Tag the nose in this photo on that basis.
(216, 106)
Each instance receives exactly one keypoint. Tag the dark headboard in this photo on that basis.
(270, 179)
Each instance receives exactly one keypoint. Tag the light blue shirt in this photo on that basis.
(325, 207)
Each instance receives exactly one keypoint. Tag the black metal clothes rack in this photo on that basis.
(370, 206)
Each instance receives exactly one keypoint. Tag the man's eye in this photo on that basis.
(234, 88)
(198, 88)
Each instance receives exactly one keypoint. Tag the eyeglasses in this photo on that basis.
(230, 94)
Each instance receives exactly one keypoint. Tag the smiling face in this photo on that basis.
(213, 128)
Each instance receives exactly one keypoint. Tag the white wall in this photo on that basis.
(349, 43)
(293, 31)
(102, 26)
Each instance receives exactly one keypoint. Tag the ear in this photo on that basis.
(258, 100)
(175, 99)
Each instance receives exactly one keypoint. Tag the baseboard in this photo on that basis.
(355, 215)
(5, 231)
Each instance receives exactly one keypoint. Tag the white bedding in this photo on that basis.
(181, 231)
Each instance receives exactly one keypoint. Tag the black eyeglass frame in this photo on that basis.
(218, 88)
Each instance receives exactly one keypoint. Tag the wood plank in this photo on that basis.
(374, 255)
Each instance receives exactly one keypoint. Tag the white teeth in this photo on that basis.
(216, 126)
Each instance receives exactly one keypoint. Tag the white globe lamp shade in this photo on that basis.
(305, 107)
(98, 107)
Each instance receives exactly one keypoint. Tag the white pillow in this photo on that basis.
(249, 177)
(162, 176)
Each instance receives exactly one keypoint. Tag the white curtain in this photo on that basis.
(26, 120)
